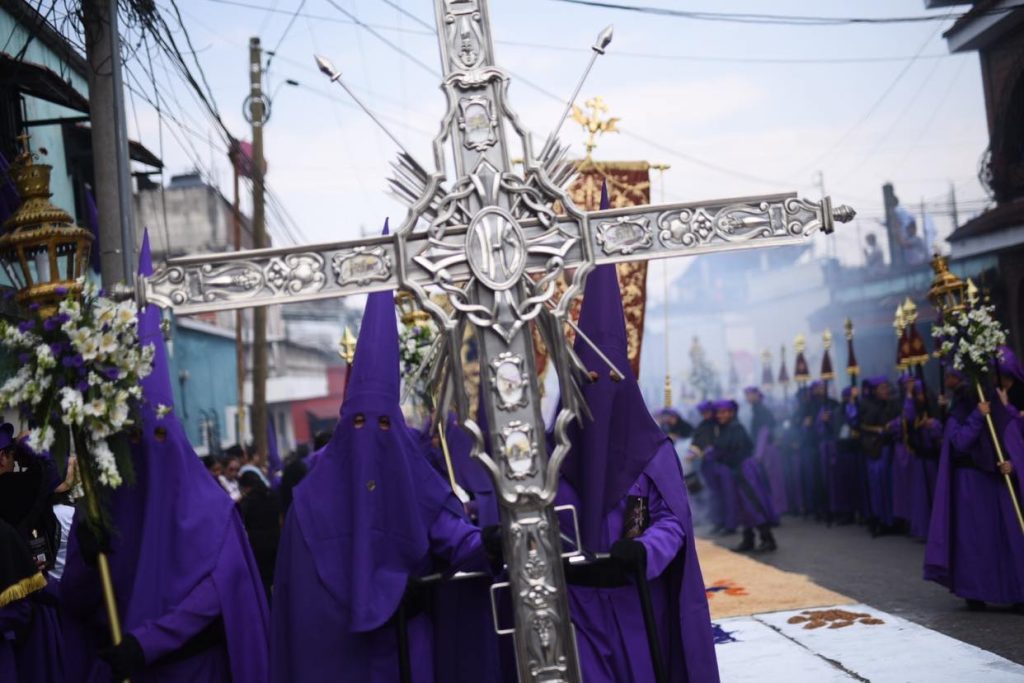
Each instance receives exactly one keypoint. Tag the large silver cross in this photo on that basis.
(492, 242)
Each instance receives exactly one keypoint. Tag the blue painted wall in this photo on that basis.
(211, 386)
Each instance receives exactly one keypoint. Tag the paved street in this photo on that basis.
(886, 573)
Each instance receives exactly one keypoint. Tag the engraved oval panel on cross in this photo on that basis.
(495, 248)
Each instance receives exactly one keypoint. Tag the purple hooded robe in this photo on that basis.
(622, 452)
(186, 583)
(371, 515)
(766, 452)
(975, 545)
(466, 648)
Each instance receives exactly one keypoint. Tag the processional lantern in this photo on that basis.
(801, 371)
(827, 373)
(947, 290)
(852, 368)
(42, 250)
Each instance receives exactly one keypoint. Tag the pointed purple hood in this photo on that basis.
(610, 451)
(176, 528)
(365, 510)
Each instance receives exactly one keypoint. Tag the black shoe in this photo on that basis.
(976, 605)
(767, 544)
(748, 542)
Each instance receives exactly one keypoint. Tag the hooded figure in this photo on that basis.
(735, 450)
(188, 590)
(624, 478)
(20, 579)
(762, 428)
(371, 515)
(975, 545)
(878, 411)
(466, 648)
(724, 511)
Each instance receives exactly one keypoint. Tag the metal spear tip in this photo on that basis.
(604, 39)
(326, 67)
(843, 213)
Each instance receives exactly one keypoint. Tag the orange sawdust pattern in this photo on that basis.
(833, 618)
(765, 588)
(727, 586)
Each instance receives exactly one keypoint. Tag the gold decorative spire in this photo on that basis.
(972, 293)
(592, 123)
(347, 346)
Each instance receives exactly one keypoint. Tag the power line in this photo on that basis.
(873, 108)
(777, 19)
(284, 34)
(429, 32)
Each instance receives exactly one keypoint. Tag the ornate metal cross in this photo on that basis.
(492, 241)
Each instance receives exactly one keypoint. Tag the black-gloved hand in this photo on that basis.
(91, 542)
(125, 659)
(492, 543)
(631, 553)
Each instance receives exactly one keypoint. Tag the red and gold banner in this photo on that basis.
(629, 184)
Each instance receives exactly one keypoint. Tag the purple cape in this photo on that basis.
(610, 451)
(180, 549)
(608, 456)
(362, 524)
(975, 546)
(469, 473)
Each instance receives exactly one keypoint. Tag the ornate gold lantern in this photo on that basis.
(42, 250)
(947, 290)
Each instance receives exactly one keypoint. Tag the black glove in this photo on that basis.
(630, 553)
(91, 542)
(125, 659)
(492, 544)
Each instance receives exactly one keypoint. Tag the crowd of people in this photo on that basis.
(891, 456)
(326, 567)
(370, 554)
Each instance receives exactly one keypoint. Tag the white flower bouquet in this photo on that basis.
(414, 342)
(971, 339)
(78, 382)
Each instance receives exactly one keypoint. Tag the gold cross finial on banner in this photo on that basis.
(592, 123)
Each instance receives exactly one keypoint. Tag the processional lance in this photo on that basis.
(492, 241)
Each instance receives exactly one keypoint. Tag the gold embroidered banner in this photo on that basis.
(629, 184)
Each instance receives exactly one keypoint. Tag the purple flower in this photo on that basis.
(61, 291)
(33, 307)
(27, 325)
(54, 322)
(24, 358)
(83, 387)
(56, 349)
(112, 374)
(75, 361)
(9, 294)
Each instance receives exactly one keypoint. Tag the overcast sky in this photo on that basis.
(772, 105)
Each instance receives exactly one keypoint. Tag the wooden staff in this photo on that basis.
(999, 456)
(93, 510)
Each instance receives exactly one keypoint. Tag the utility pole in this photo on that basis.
(257, 113)
(240, 371)
(111, 172)
(952, 206)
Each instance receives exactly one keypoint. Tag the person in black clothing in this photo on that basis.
(734, 448)
(673, 424)
(261, 514)
(877, 412)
